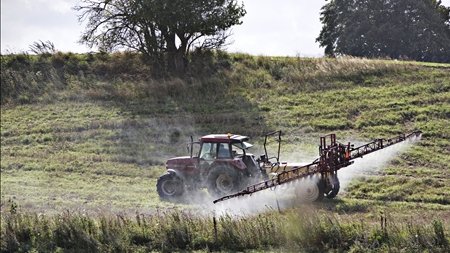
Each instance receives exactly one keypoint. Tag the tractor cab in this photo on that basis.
(210, 150)
(222, 147)
(219, 162)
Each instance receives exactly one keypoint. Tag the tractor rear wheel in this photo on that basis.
(309, 190)
(222, 180)
(169, 187)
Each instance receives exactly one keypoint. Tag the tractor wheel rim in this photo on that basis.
(224, 183)
(169, 187)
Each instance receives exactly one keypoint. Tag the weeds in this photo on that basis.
(168, 231)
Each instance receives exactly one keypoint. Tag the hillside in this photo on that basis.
(91, 133)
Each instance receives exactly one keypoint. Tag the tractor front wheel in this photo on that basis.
(222, 180)
(309, 190)
(169, 187)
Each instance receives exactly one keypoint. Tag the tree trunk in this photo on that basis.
(177, 62)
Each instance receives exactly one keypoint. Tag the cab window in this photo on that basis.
(224, 151)
(208, 151)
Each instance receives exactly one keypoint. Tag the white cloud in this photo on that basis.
(27, 21)
(62, 6)
(279, 28)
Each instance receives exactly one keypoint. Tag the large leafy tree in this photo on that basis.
(413, 29)
(159, 29)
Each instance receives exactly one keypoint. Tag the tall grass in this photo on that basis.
(167, 231)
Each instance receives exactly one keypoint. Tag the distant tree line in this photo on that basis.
(401, 29)
(166, 31)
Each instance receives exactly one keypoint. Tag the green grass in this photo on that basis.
(84, 138)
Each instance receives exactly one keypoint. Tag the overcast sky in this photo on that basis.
(270, 28)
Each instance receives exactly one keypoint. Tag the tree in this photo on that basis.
(159, 28)
(413, 29)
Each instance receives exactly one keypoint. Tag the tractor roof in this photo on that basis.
(237, 140)
(233, 138)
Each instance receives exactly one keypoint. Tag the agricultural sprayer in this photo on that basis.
(222, 164)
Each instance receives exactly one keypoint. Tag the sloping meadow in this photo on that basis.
(84, 138)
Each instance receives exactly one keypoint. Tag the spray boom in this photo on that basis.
(321, 174)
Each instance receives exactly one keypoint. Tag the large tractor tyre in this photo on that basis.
(335, 186)
(223, 180)
(169, 187)
(309, 190)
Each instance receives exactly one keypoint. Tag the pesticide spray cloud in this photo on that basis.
(283, 196)
(276, 198)
(270, 199)
(374, 163)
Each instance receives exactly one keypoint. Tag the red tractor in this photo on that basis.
(222, 166)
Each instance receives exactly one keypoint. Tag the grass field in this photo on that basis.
(84, 138)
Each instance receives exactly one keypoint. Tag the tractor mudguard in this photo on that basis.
(177, 173)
